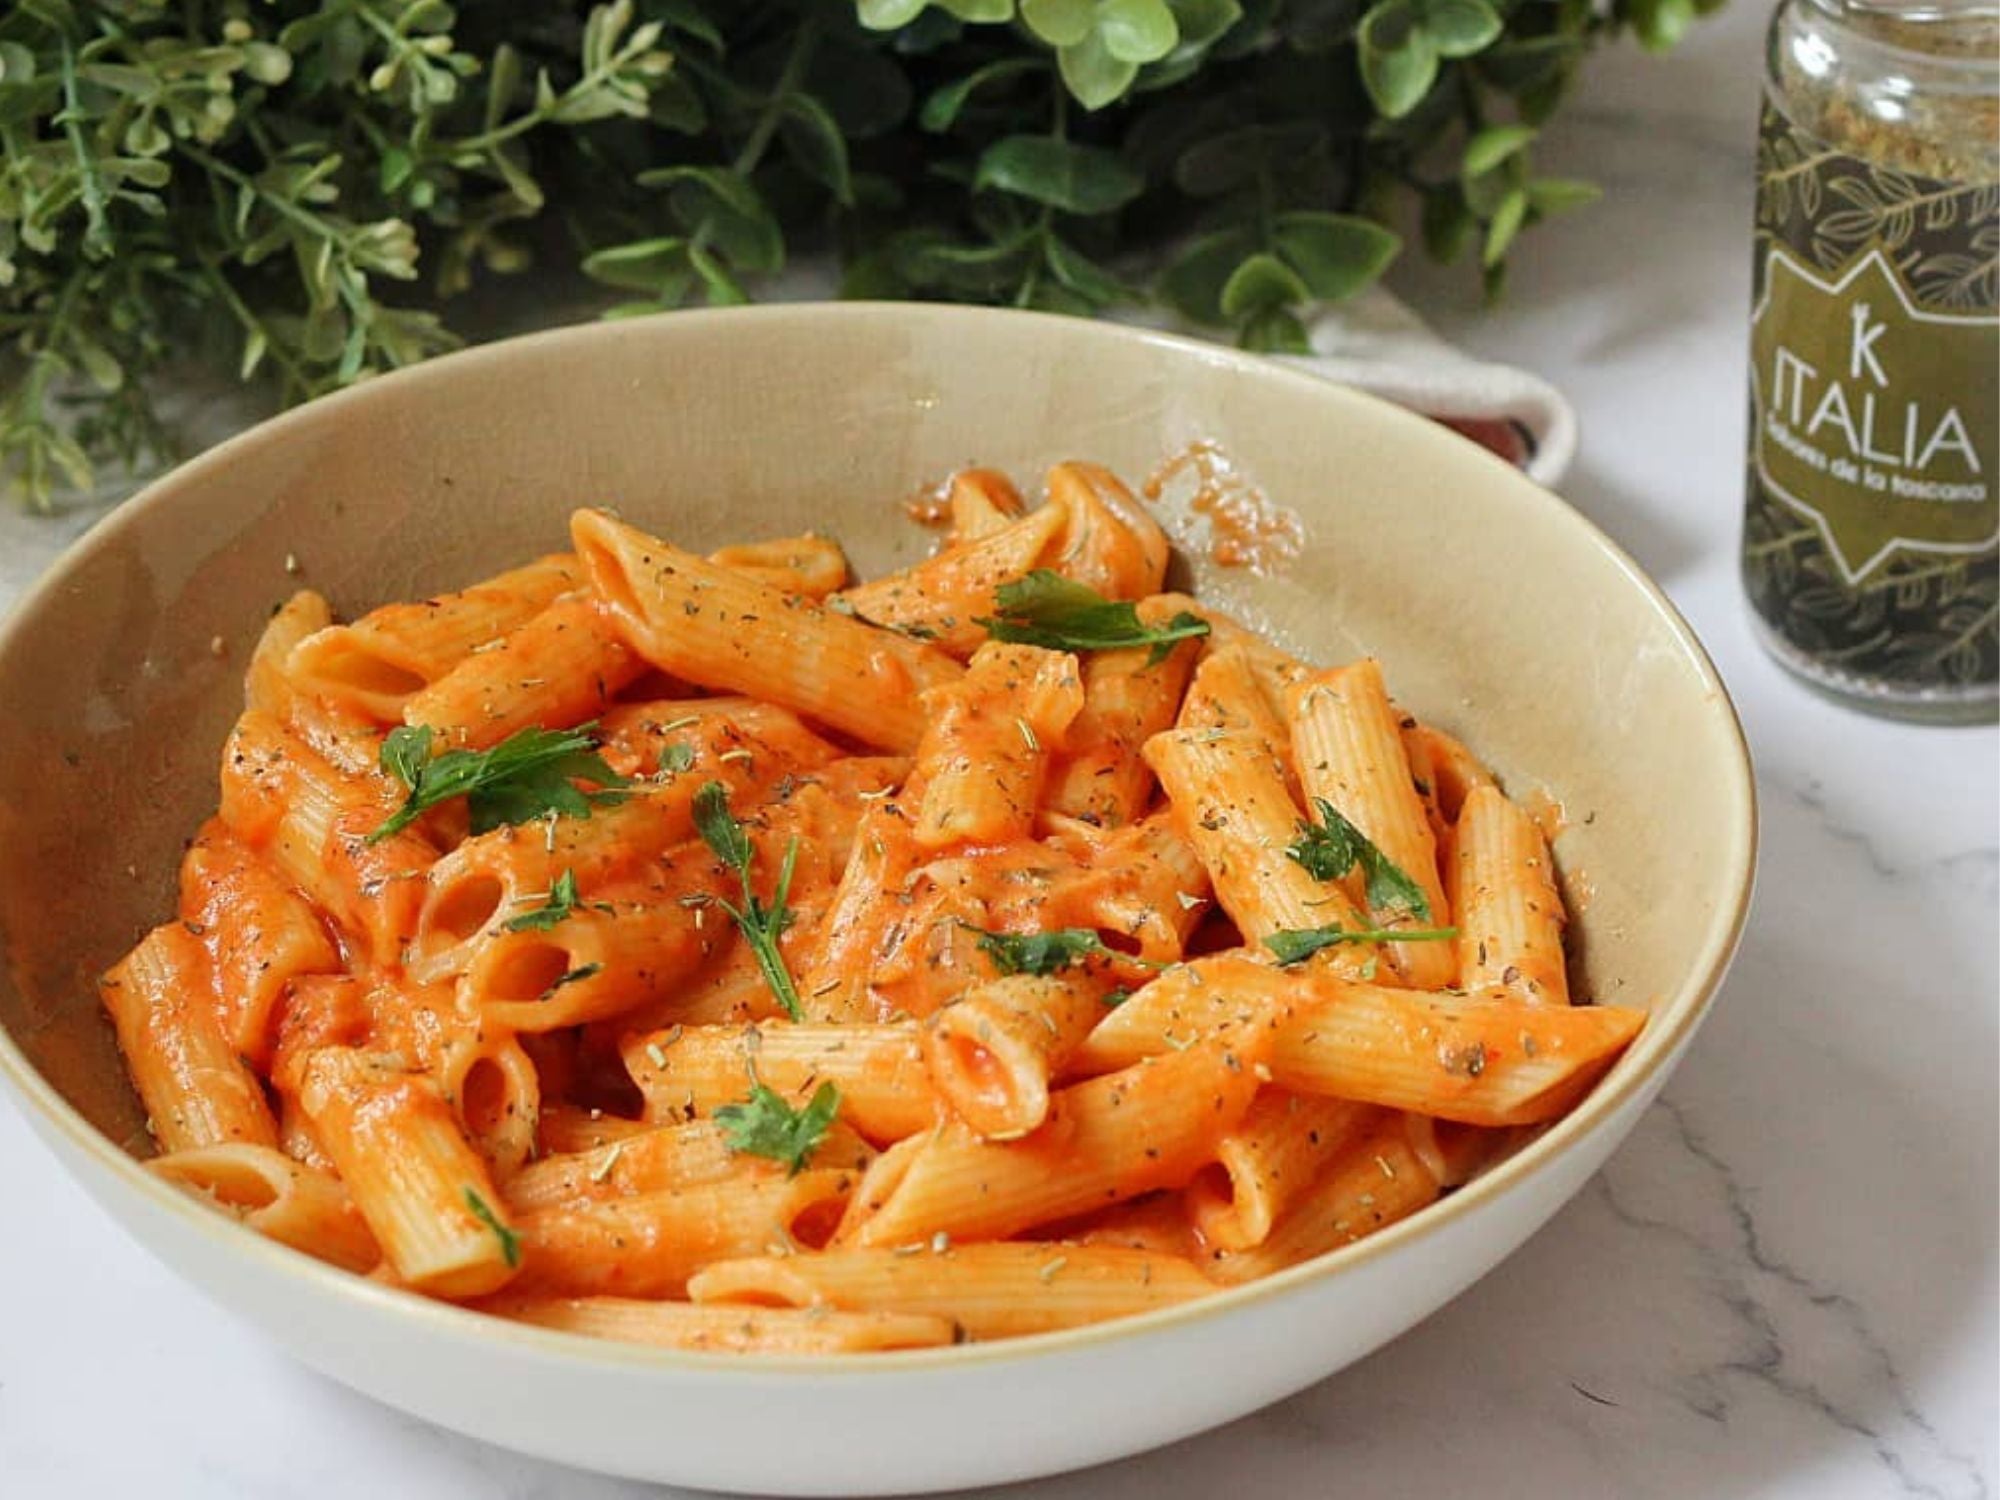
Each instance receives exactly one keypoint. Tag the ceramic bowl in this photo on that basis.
(1498, 611)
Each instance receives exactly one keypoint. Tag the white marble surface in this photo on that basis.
(1783, 1286)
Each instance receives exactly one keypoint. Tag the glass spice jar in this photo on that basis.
(1869, 541)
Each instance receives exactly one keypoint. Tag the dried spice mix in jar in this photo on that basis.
(1869, 544)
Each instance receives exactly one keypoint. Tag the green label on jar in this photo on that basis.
(1874, 418)
(1874, 502)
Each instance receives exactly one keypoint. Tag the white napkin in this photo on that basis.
(1378, 344)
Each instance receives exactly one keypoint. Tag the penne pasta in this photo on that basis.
(1349, 748)
(374, 665)
(276, 1196)
(1230, 803)
(827, 974)
(983, 759)
(993, 1054)
(724, 1328)
(984, 1291)
(689, 1071)
(1510, 914)
(688, 617)
(424, 1192)
(196, 1089)
(1149, 1126)
(1484, 1059)
(561, 666)
(942, 599)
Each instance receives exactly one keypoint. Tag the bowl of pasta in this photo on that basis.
(1011, 888)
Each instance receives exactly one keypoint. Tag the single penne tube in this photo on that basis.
(725, 1328)
(378, 662)
(1267, 1162)
(266, 684)
(650, 1245)
(647, 739)
(1348, 742)
(313, 822)
(993, 1053)
(1274, 667)
(494, 1091)
(196, 1089)
(1230, 803)
(711, 626)
(1100, 776)
(1149, 1126)
(425, 1193)
(809, 566)
(987, 1291)
(1225, 694)
(1142, 887)
(1488, 1058)
(1111, 542)
(985, 753)
(885, 1087)
(653, 1159)
(861, 918)
(261, 936)
(943, 598)
(276, 1196)
(981, 502)
(603, 957)
(1510, 914)
(1375, 1180)
(559, 667)
(1451, 769)
(571, 1129)
(1157, 1222)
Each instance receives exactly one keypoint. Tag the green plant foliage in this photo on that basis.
(295, 190)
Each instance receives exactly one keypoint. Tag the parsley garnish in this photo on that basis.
(561, 903)
(573, 976)
(525, 776)
(510, 1242)
(760, 925)
(1296, 944)
(1329, 848)
(765, 1125)
(1040, 952)
(1047, 609)
(676, 757)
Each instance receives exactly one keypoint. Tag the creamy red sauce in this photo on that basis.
(1246, 529)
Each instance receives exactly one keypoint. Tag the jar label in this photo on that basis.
(1874, 412)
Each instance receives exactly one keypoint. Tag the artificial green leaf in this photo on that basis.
(1060, 23)
(1660, 24)
(942, 109)
(1262, 281)
(1399, 61)
(1085, 277)
(816, 144)
(1075, 178)
(1552, 195)
(1137, 31)
(1192, 285)
(1447, 223)
(887, 15)
(1492, 146)
(1503, 226)
(642, 266)
(1320, 25)
(1203, 22)
(1335, 255)
(1274, 330)
(1459, 28)
(1092, 75)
